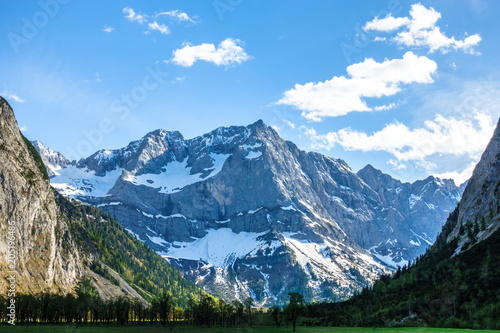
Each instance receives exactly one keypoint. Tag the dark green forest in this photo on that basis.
(96, 232)
(439, 289)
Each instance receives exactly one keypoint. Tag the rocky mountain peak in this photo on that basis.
(52, 159)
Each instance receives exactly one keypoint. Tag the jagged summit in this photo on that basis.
(52, 159)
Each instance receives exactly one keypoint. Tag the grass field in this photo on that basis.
(187, 329)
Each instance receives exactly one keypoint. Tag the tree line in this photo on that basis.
(87, 308)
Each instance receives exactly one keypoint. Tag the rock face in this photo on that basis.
(413, 212)
(52, 159)
(244, 213)
(46, 258)
(481, 198)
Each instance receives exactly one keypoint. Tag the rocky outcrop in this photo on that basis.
(31, 223)
(481, 198)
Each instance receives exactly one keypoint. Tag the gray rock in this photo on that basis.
(481, 198)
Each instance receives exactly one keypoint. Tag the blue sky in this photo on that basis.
(409, 87)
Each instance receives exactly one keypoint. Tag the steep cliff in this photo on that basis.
(46, 258)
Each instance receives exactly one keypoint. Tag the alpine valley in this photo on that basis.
(242, 212)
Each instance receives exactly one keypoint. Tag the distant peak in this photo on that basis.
(370, 168)
(258, 123)
(37, 143)
(161, 133)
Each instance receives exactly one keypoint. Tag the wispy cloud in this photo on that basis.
(420, 30)
(228, 52)
(108, 29)
(368, 79)
(133, 16)
(289, 123)
(153, 25)
(7, 95)
(162, 28)
(178, 79)
(177, 15)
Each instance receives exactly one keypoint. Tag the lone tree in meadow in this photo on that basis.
(294, 308)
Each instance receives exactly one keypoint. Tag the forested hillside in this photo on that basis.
(439, 290)
(97, 233)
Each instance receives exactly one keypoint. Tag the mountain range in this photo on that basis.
(242, 212)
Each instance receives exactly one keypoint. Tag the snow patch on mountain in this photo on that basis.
(219, 248)
(177, 175)
(157, 240)
(413, 200)
(73, 181)
(252, 155)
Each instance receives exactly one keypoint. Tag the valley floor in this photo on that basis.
(188, 329)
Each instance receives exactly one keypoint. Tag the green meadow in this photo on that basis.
(187, 329)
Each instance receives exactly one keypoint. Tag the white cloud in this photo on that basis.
(178, 79)
(107, 29)
(162, 28)
(459, 176)
(5, 94)
(228, 52)
(23, 128)
(420, 30)
(387, 24)
(177, 15)
(443, 136)
(368, 79)
(289, 123)
(133, 16)
(385, 107)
